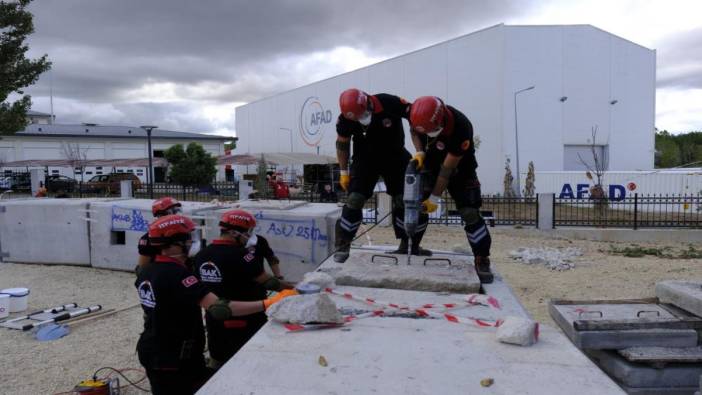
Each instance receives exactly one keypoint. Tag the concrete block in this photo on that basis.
(662, 354)
(639, 375)
(300, 233)
(117, 225)
(684, 294)
(320, 279)
(566, 315)
(381, 270)
(545, 211)
(660, 391)
(305, 309)
(47, 231)
(392, 355)
(519, 331)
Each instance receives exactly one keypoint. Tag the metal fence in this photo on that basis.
(497, 210)
(638, 211)
(223, 191)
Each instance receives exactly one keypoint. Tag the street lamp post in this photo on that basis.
(291, 135)
(516, 136)
(150, 174)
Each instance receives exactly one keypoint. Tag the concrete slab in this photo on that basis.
(392, 355)
(639, 375)
(662, 355)
(685, 294)
(300, 233)
(660, 391)
(46, 231)
(377, 269)
(566, 314)
(116, 227)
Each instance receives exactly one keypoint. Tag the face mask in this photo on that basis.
(365, 119)
(252, 241)
(194, 248)
(435, 133)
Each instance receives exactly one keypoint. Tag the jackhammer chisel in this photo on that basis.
(412, 199)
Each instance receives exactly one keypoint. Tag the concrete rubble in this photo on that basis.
(320, 279)
(305, 309)
(552, 258)
(518, 330)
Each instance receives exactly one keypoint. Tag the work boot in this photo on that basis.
(416, 250)
(341, 245)
(482, 268)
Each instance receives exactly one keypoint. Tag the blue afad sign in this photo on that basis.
(617, 193)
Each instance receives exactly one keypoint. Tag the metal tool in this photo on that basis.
(12, 323)
(411, 198)
(63, 317)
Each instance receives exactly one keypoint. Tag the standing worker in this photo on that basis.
(374, 122)
(172, 344)
(232, 267)
(159, 208)
(443, 137)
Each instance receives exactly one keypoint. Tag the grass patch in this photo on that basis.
(636, 251)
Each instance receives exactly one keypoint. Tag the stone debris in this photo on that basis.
(305, 309)
(552, 258)
(321, 279)
(519, 331)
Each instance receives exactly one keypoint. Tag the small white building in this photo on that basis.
(91, 141)
(582, 77)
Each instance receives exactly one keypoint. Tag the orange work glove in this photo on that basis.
(345, 180)
(278, 297)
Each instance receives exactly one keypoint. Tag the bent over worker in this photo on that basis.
(443, 137)
(374, 123)
(172, 344)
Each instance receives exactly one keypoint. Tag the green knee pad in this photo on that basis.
(355, 201)
(470, 215)
(220, 310)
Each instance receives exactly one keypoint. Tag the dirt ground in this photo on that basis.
(28, 366)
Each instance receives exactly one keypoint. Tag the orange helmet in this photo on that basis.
(354, 104)
(170, 229)
(427, 115)
(165, 206)
(239, 220)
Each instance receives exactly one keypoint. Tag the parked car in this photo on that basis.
(110, 183)
(16, 182)
(55, 183)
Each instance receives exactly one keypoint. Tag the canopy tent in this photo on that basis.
(138, 162)
(277, 158)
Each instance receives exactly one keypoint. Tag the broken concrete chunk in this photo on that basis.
(305, 309)
(321, 279)
(519, 331)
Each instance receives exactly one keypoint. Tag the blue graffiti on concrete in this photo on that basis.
(295, 229)
(128, 219)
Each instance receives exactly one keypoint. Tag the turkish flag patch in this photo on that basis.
(465, 145)
(188, 281)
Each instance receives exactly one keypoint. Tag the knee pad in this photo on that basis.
(470, 215)
(355, 201)
(397, 201)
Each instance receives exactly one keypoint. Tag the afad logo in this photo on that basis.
(313, 118)
(209, 273)
(146, 294)
(617, 193)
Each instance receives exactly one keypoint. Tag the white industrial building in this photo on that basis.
(43, 141)
(583, 77)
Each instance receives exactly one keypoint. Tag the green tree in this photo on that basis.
(192, 166)
(16, 71)
(261, 181)
(667, 153)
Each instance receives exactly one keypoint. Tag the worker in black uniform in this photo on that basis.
(443, 138)
(159, 208)
(172, 344)
(374, 123)
(232, 267)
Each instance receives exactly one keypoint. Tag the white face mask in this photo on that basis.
(435, 133)
(195, 248)
(365, 119)
(252, 241)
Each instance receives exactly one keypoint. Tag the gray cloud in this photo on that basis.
(680, 60)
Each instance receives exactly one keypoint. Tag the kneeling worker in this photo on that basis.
(172, 344)
(232, 267)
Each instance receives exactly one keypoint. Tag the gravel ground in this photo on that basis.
(31, 367)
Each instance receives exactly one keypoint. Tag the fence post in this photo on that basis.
(546, 217)
(636, 210)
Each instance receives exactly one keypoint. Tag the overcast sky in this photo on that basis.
(185, 65)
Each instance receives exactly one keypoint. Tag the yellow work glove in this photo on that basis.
(419, 157)
(278, 297)
(345, 180)
(430, 205)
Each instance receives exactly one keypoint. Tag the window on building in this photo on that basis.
(575, 155)
(158, 153)
(54, 171)
(98, 168)
(89, 173)
(98, 172)
(120, 171)
(130, 171)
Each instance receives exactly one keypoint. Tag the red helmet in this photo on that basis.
(162, 206)
(239, 220)
(427, 115)
(170, 229)
(353, 104)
